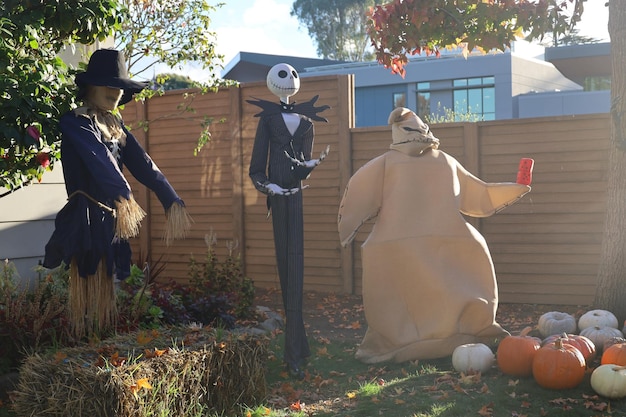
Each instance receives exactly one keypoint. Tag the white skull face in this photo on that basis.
(283, 81)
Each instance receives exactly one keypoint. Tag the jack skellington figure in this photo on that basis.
(281, 159)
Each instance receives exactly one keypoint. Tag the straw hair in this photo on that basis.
(129, 215)
(178, 223)
(92, 303)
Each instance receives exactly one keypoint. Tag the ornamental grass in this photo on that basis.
(172, 372)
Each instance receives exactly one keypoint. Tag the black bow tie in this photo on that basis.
(287, 108)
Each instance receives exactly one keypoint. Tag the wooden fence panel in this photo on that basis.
(546, 247)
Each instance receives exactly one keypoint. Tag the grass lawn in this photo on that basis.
(338, 385)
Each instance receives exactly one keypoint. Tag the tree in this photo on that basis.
(573, 38)
(174, 81)
(172, 32)
(611, 289)
(36, 87)
(338, 27)
(34, 82)
(406, 27)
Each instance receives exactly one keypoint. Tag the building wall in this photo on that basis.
(377, 102)
(513, 74)
(27, 221)
(534, 75)
(563, 103)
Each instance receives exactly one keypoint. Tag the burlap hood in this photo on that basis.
(410, 135)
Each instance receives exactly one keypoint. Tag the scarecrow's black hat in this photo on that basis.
(107, 67)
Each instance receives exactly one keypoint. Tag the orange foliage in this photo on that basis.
(407, 27)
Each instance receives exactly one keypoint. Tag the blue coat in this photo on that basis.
(84, 230)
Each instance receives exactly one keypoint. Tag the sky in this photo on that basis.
(266, 26)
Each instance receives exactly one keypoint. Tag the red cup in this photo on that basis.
(525, 171)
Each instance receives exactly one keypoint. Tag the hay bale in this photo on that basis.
(212, 372)
(46, 388)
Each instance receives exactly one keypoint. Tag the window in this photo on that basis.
(474, 97)
(423, 100)
(464, 99)
(597, 83)
(399, 100)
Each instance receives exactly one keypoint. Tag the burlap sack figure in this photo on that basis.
(428, 279)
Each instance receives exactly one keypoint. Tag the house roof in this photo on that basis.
(251, 66)
(579, 61)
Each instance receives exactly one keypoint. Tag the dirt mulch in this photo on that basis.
(341, 316)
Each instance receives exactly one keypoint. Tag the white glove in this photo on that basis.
(275, 189)
(311, 163)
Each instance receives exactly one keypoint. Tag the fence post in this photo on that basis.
(346, 123)
(472, 161)
(142, 194)
(236, 151)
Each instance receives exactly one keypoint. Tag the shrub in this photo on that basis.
(218, 294)
(31, 321)
(221, 282)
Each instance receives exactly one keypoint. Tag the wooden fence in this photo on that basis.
(545, 248)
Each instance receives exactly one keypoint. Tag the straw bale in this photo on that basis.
(136, 375)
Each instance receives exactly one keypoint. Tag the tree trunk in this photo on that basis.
(611, 287)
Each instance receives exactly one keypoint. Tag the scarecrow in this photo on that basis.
(281, 159)
(92, 229)
(429, 283)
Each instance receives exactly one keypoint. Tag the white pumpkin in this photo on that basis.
(472, 357)
(609, 381)
(599, 335)
(600, 318)
(556, 322)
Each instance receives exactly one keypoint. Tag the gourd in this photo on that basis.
(582, 343)
(556, 322)
(615, 355)
(515, 353)
(609, 381)
(472, 357)
(599, 335)
(599, 318)
(612, 341)
(558, 366)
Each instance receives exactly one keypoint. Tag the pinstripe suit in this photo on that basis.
(269, 164)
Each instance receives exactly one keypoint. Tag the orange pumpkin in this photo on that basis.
(558, 366)
(515, 354)
(615, 355)
(582, 343)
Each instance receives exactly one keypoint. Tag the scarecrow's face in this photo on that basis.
(283, 81)
(104, 98)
